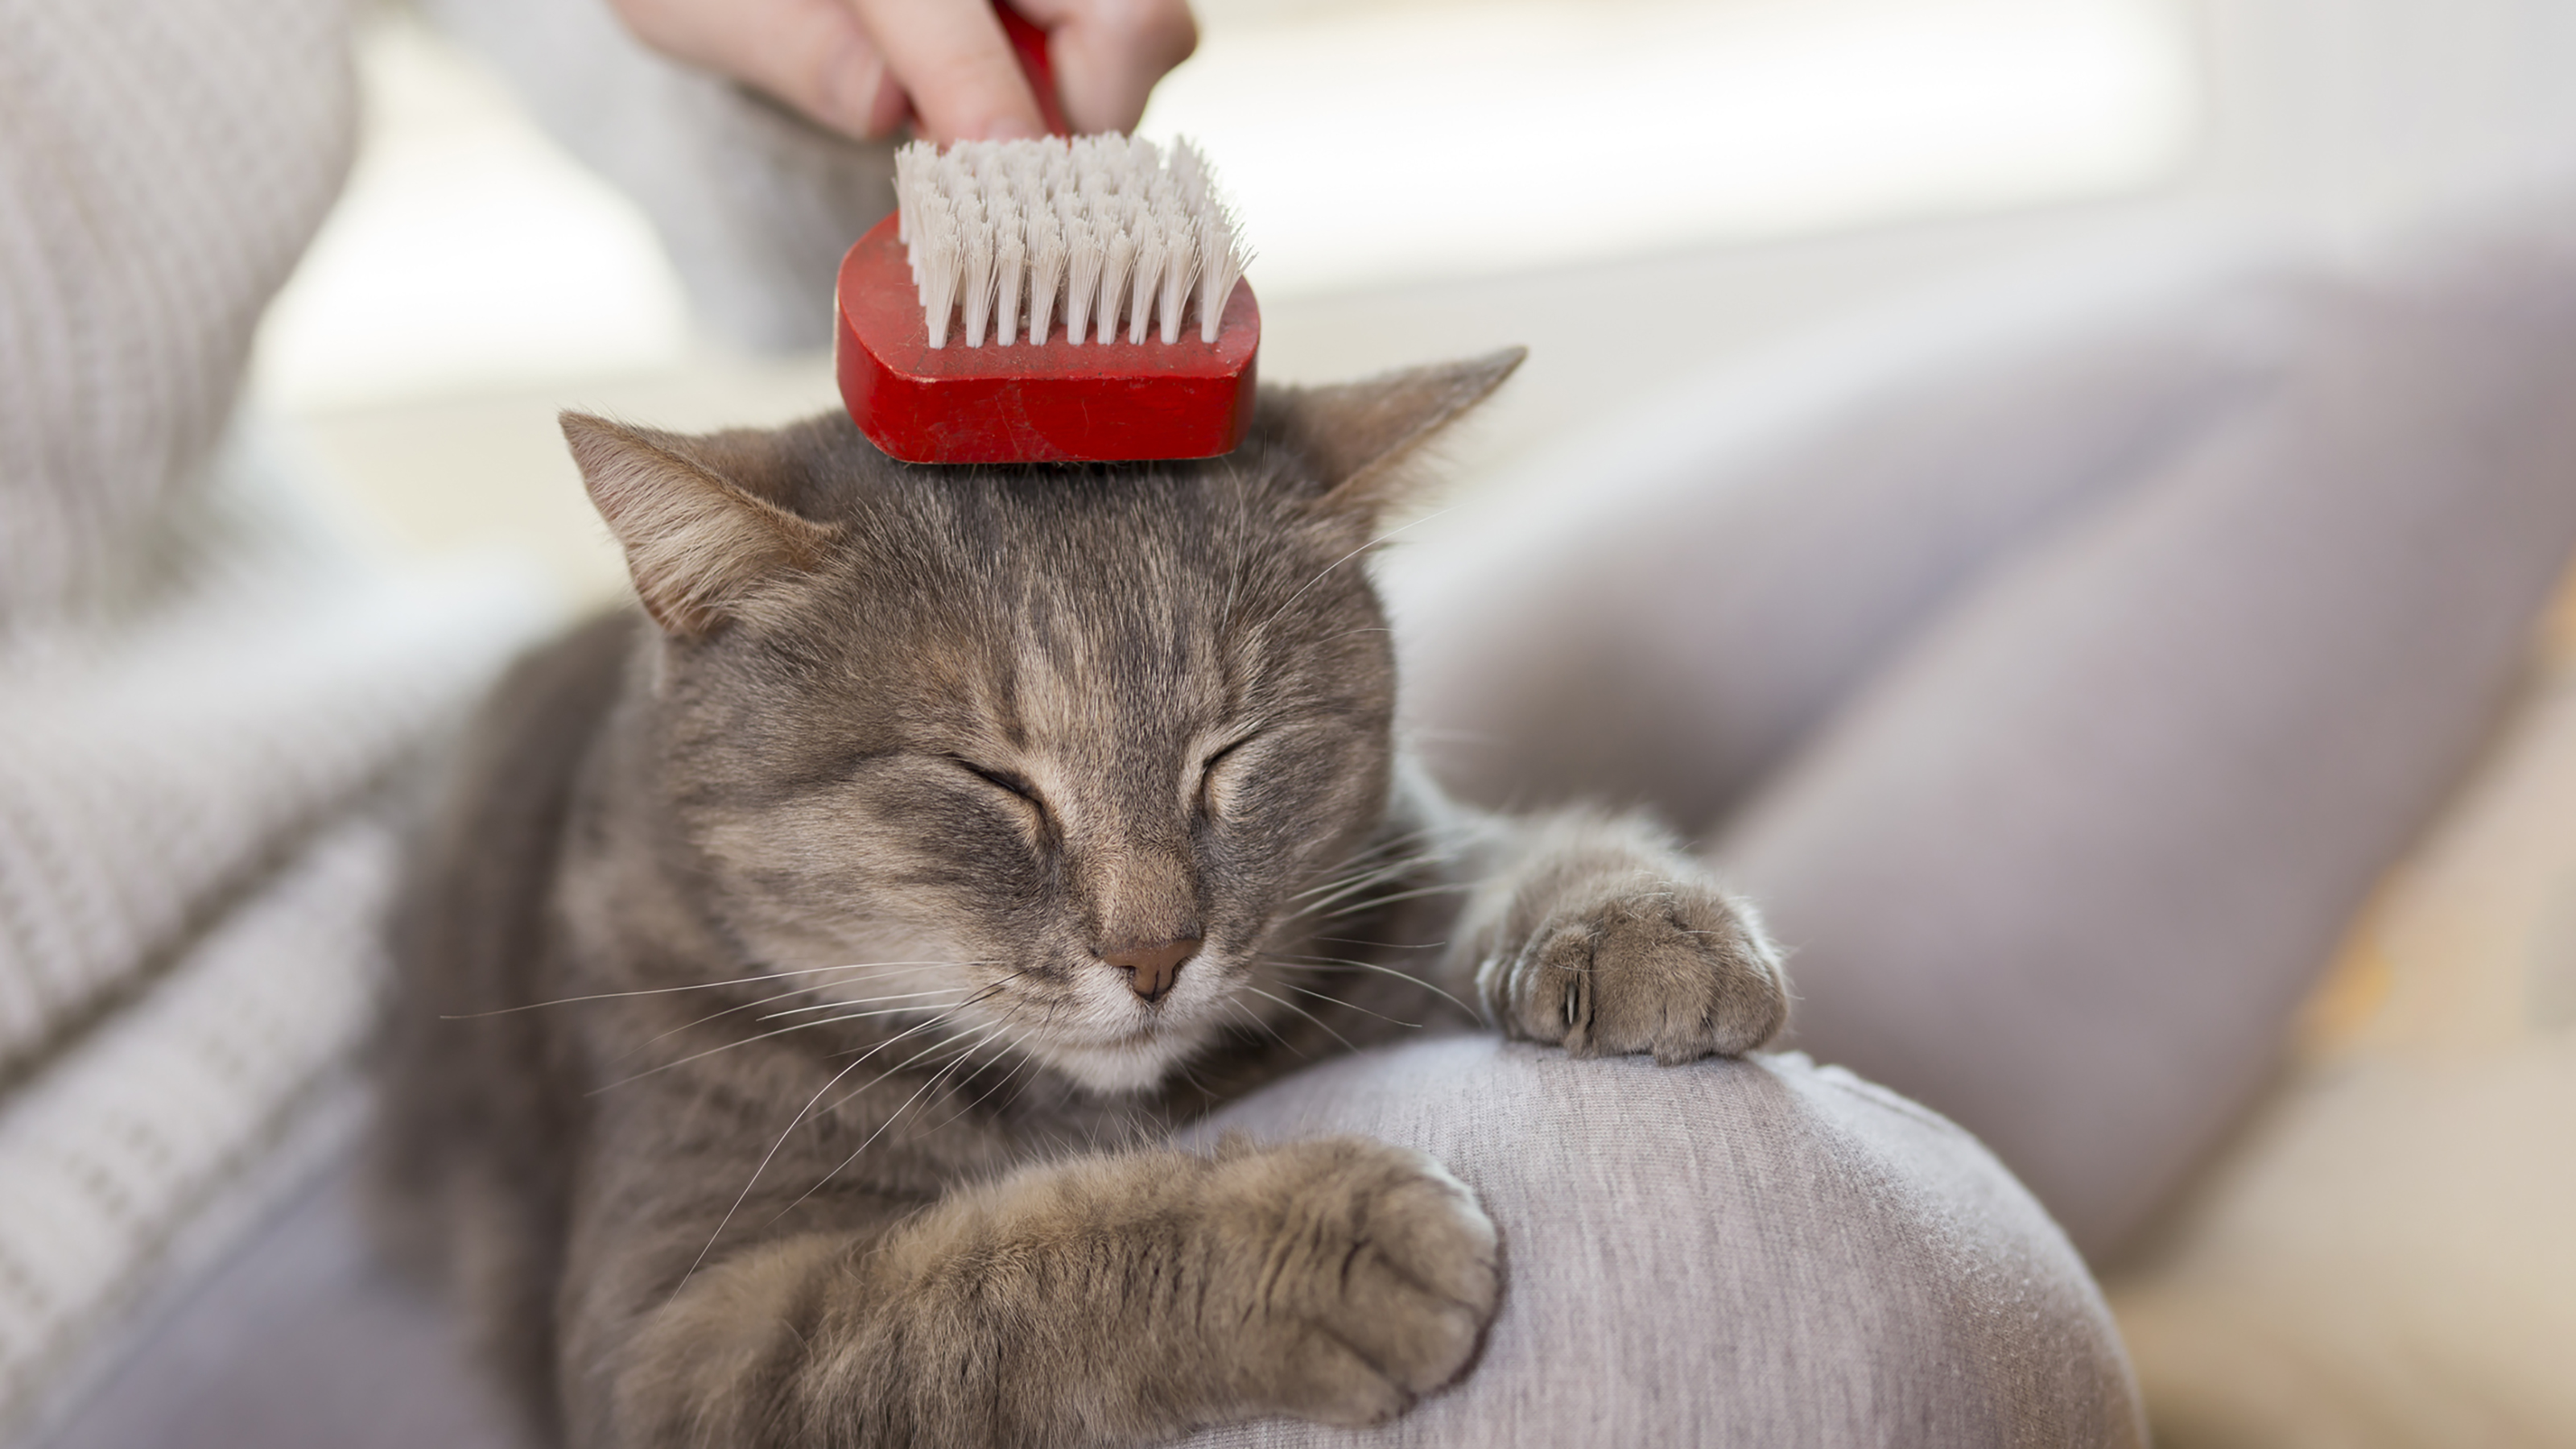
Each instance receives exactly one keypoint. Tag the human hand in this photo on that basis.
(864, 66)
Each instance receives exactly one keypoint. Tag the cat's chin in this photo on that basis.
(1120, 1069)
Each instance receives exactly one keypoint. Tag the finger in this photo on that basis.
(1109, 53)
(813, 54)
(951, 58)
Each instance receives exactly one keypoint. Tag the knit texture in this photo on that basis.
(155, 765)
(162, 165)
(110, 1158)
(199, 675)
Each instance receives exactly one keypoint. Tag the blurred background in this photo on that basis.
(1632, 188)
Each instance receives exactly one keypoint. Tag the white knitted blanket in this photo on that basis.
(200, 681)
(188, 905)
(155, 769)
(141, 1156)
(162, 165)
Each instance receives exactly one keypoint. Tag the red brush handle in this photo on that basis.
(1029, 43)
(1047, 401)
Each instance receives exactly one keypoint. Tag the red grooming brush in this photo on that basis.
(1046, 301)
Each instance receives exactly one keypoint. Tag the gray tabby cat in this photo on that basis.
(836, 947)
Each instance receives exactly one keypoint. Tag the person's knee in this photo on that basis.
(1756, 1252)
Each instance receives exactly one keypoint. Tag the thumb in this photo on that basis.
(812, 54)
(951, 58)
(1109, 53)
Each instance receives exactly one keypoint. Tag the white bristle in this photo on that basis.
(1117, 268)
(1180, 268)
(975, 287)
(1084, 257)
(1010, 274)
(1221, 262)
(939, 266)
(1149, 278)
(1111, 229)
(1046, 271)
(907, 190)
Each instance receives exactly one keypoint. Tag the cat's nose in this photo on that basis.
(1151, 970)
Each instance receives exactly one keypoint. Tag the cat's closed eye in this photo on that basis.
(1004, 780)
(1211, 800)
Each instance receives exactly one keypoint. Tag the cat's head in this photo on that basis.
(1057, 750)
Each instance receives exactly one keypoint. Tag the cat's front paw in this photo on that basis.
(1639, 962)
(1374, 1274)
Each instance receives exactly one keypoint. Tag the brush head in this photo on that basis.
(1038, 301)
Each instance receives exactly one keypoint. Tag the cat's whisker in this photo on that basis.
(1032, 1079)
(1328, 963)
(861, 1001)
(698, 1055)
(753, 979)
(1371, 875)
(1354, 890)
(1266, 1029)
(890, 1120)
(1346, 558)
(754, 1180)
(793, 991)
(801, 1114)
(1016, 1045)
(1362, 876)
(1353, 1005)
(1374, 902)
(978, 1099)
(1379, 846)
(719, 1015)
(1225, 615)
(944, 1076)
(845, 1015)
(908, 1062)
(1378, 862)
(1301, 1011)
(781, 1031)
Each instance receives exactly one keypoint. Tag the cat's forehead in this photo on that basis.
(1094, 556)
(1059, 606)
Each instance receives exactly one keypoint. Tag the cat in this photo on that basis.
(804, 970)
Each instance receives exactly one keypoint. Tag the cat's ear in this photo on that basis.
(1357, 435)
(697, 544)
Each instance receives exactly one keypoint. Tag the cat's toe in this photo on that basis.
(1401, 1277)
(1423, 1277)
(1668, 967)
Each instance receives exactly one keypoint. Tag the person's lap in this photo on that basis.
(1757, 1253)
(2060, 692)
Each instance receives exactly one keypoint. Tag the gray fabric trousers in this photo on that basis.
(1744, 1253)
(2059, 667)
(1758, 1253)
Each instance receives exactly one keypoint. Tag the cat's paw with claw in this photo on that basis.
(1373, 1273)
(1635, 960)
